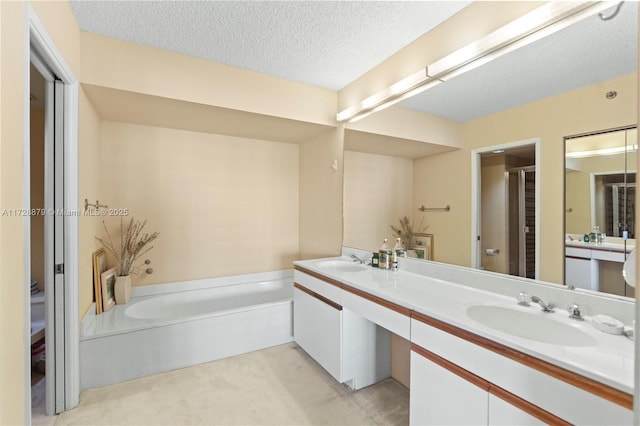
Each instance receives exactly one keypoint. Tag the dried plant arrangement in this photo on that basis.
(133, 244)
(406, 231)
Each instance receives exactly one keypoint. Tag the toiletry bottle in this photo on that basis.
(399, 248)
(385, 256)
(375, 260)
(394, 258)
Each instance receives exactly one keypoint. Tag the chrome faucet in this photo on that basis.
(576, 311)
(525, 299)
(357, 259)
(545, 307)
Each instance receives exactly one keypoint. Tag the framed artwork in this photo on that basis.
(108, 282)
(99, 266)
(423, 245)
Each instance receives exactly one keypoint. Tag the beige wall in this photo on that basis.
(377, 193)
(12, 274)
(550, 119)
(127, 66)
(89, 134)
(222, 205)
(578, 184)
(321, 189)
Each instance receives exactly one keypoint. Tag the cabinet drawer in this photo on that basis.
(317, 285)
(578, 252)
(612, 256)
(556, 396)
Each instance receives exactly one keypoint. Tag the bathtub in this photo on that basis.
(177, 325)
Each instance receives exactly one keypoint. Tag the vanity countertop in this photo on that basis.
(604, 246)
(610, 361)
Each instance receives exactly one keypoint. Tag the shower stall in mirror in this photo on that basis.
(521, 202)
(508, 211)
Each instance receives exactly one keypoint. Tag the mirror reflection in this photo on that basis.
(600, 183)
(547, 91)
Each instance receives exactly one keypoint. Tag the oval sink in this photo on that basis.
(529, 325)
(341, 266)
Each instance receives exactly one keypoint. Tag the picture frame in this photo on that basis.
(99, 258)
(423, 246)
(108, 282)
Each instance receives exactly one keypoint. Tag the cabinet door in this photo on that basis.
(440, 397)
(303, 307)
(328, 338)
(578, 273)
(503, 413)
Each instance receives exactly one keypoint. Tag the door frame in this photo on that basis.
(476, 198)
(38, 39)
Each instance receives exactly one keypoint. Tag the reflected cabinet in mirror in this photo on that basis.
(600, 194)
(531, 98)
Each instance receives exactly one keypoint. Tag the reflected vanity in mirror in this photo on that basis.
(600, 184)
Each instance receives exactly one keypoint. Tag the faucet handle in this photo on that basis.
(524, 298)
(576, 311)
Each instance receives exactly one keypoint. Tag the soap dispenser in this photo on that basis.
(385, 256)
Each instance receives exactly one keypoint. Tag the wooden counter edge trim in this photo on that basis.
(375, 299)
(599, 389)
(318, 296)
(524, 405)
(455, 369)
(319, 276)
(378, 300)
(516, 401)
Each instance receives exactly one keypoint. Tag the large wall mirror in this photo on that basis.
(496, 104)
(600, 195)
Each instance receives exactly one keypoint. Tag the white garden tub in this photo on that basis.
(208, 320)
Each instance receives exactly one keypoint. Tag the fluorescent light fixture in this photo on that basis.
(396, 92)
(539, 23)
(393, 101)
(603, 151)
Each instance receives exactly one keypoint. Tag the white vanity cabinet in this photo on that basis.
(445, 394)
(318, 330)
(580, 270)
(502, 413)
(354, 350)
(597, 268)
(516, 388)
(440, 397)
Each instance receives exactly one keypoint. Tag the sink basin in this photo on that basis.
(529, 325)
(341, 266)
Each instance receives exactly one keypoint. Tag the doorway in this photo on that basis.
(37, 113)
(505, 197)
(60, 236)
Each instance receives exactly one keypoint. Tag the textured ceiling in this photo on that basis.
(322, 43)
(586, 53)
(331, 43)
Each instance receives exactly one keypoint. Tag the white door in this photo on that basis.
(54, 247)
